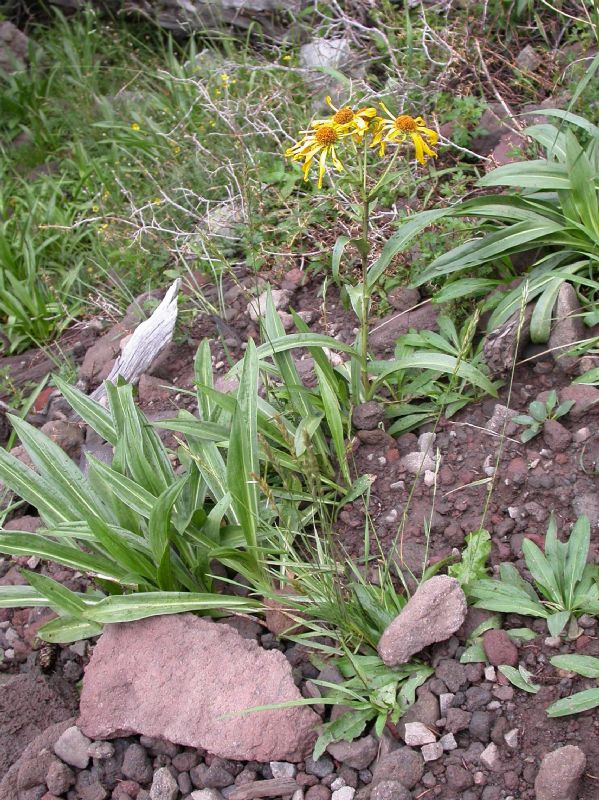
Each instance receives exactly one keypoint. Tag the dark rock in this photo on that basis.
(480, 726)
(452, 673)
(137, 764)
(358, 754)
(477, 697)
(321, 768)
(164, 785)
(368, 416)
(59, 777)
(67, 435)
(388, 330)
(556, 436)
(318, 792)
(457, 720)
(567, 329)
(458, 778)
(499, 648)
(390, 790)
(404, 765)
(216, 776)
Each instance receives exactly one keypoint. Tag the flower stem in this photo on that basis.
(364, 252)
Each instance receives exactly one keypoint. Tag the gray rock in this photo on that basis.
(501, 419)
(432, 751)
(390, 790)
(320, 52)
(358, 754)
(416, 734)
(528, 59)
(567, 329)
(100, 750)
(457, 720)
(448, 742)
(387, 331)
(257, 306)
(13, 48)
(452, 673)
(344, 793)
(164, 785)
(136, 764)
(72, 748)
(587, 504)
(506, 343)
(206, 794)
(216, 776)
(458, 778)
(433, 614)
(321, 768)
(415, 463)
(404, 765)
(59, 778)
(490, 758)
(556, 436)
(560, 773)
(480, 726)
(282, 769)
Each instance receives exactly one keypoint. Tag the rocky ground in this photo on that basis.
(486, 740)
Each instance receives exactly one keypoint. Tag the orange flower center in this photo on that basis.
(326, 135)
(406, 123)
(343, 116)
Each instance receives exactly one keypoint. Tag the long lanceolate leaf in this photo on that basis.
(93, 413)
(243, 467)
(60, 472)
(437, 362)
(576, 559)
(126, 608)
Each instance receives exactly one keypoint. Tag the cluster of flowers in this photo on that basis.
(325, 135)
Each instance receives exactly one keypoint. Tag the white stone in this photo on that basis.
(72, 748)
(445, 701)
(512, 738)
(257, 306)
(490, 674)
(417, 462)
(417, 734)
(325, 53)
(345, 793)
(426, 442)
(429, 477)
(282, 769)
(338, 783)
(432, 751)
(448, 742)
(206, 794)
(490, 759)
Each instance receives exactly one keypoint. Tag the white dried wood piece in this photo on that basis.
(145, 344)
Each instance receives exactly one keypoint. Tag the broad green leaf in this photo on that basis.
(521, 634)
(340, 245)
(127, 490)
(520, 678)
(345, 728)
(534, 174)
(474, 653)
(437, 362)
(510, 575)
(465, 287)
(582, 665)
(575, 704)
(332, 412)
(243, 469)
(202, 366)
(541, 571)
(402, 237)
(293, 341)
(498, 596)
(127, 608)
(538, 411)
(159, 526)
(59, 597)
(68, 629)
(21, 543)
(557, 622)
(92, 412)
(577, 552)
(542, 315)
(21, 597)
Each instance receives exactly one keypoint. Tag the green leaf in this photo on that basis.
(292, 341)
(541, 571)
(127, 490)
(130, 607)
(332, 412)
(243, 469)
(499, 596)
(92, 412)
(159, 526)
(474, 559)
(346, 728)
(542, 315)
(474, 653)
(521, 634)
(576, 559)
(68, 629)
(21, 597)
(582, 665)
(591, 377)
(59, 597)
(581, 701)
(520, 678)
(21, 543)
(340, 245)
(556, 622)
(538, 411)
(437, 362)
(402, 237)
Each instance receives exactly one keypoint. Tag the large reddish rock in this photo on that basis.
(434, 612)
(185, 679)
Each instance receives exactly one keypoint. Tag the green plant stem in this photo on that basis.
(364, 252)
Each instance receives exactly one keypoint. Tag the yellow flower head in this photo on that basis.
(398, 129)
(320, 141)
(135, 126)
(347, 119)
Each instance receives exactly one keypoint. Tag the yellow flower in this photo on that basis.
(135, 126)
(345, 118)
(225, 78)
(397, 129)
(318, 142)
(287, 58)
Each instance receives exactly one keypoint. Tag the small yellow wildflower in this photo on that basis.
(286, 58)
(95, 209)
(135, 126)
(318, 142)
(156, 201)
(346, 118)
(397, 129)
(225, 78)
